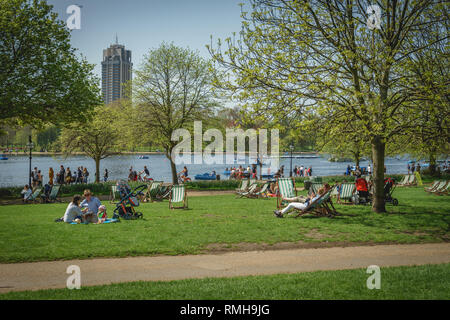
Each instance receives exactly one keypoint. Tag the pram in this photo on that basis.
(128, 201)
(389, 187)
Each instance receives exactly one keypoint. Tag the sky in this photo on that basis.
(142, 25)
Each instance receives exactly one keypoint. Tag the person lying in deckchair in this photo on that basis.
(301, 206)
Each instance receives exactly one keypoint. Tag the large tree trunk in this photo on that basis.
(432, 166)
(378, 150)
(97, 170)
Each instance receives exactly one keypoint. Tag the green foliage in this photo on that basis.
(41, 78)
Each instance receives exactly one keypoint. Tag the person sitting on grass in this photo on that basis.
(91, 204)
(27, 192)
(73, 212)
(302, 206)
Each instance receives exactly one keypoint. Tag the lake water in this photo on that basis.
(14, 171)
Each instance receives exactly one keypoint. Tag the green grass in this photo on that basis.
(28, 233)
(417, 282)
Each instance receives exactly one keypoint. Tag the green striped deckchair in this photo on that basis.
(443, 189)
(315, 186)
(346, 193)
(404, 180)
(34, 195)
(432, 187)
(439, 186)
(153, 191)
(286, 189)
(321, 206)
(261, 193)
(178, 194)
(251, 190)
(53, 197)
(412, 180)
(243, 187)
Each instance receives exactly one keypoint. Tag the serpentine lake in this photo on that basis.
(14, 171)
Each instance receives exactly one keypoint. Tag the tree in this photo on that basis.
(41, 78)
(96, 137)
(171, 90)
(327, 56)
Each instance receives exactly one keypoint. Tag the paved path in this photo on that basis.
(44, 275)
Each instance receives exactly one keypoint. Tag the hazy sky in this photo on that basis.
(144, 24)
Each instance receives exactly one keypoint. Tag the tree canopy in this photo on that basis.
(41, 78)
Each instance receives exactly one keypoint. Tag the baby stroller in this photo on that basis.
(128, 201)
(389, 187)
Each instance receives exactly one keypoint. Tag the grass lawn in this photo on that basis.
(417, 282)
(28, 233)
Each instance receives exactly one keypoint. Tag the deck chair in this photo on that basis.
(346, 193)
(404, 180)
(261, 193)
(114, 195)
(443, 190)
(323, 206)
(178, 194)
(54, 193)
(315, 186)
(251, 190)
(153, 191)
(164, 192)
(286, 189)
(432, 187)
(34, 196)
(243, 186)
(411, 181)
(440, 185)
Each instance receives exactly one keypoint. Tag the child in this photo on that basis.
(102, 216)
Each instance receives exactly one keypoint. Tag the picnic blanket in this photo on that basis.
(106, 221)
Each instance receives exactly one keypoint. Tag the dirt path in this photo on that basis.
(45, 275)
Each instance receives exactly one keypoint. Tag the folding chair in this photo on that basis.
(153, 191)
(251, 190)
(444, 190)
(178, 194)
(243, 186)
(432, 187)
(320, 206)
(53, 197)
(34, 196)
(286, 189)
(261, 193)
(346, 193)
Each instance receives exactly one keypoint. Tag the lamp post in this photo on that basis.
(30, 146)
(292, 149)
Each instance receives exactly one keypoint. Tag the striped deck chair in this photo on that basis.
(251, 190)
(321, 206)
(34, 196)
(404, 180)
(432, 187)
(411, 181)
(243, 187)
(286, 189)
(178, 194)
(53, 197)
(346, 193)
(153, 191)
(439, 186)
(443, 190)
(315, 186)
(261, 193)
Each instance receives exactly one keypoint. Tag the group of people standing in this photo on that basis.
(302, 171)
(242, 173)
(413, 167)
(66, 176)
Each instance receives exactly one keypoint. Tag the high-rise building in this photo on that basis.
(116, 70)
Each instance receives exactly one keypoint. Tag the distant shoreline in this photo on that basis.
(140, 153)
